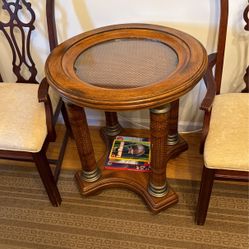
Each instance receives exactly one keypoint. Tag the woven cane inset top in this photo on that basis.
(126, 63)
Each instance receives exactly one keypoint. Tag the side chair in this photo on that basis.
(29, 110)
(225, 138)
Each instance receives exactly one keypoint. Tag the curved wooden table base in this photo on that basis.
(132, 180)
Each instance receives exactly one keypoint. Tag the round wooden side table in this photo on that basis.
(120, 68)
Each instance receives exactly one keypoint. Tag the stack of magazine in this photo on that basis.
(129, 153)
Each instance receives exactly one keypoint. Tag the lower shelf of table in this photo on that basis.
(132, 180)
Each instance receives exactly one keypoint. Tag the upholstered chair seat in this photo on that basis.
(227, 143)
(23, 121)
(24, 116)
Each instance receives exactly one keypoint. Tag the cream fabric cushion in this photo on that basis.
(227, 143)
(22, 117)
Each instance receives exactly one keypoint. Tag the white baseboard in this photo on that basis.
(137, 123)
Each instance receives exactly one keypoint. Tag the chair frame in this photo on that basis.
(42, 163)
(213, 84)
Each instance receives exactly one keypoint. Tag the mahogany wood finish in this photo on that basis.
(246, 80)
(246, 77)
(221, 44)
(213, 87)
(22, 57)
(21, 54)
(47, 177)
(246, 18)
(61, 75)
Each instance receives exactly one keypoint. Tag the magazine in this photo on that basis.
(129, 153)
(130, 150)
(125, 165)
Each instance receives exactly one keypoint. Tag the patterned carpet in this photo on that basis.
(116, 218)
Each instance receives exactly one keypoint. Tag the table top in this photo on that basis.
(126, 67)
(126, 63)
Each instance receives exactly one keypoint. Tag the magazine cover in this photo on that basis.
(130, 150)
(129, 153)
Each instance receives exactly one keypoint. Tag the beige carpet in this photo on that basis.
(116, 218)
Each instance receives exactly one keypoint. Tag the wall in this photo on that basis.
(199, 18)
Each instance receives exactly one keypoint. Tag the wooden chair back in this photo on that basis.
(221, 44)
(246, 77)
(224, 6)
(21, 51)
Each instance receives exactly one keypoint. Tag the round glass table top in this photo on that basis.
(126, 67)
(126, 63)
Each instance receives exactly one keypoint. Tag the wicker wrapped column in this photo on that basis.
(159, 118)
(77, 117)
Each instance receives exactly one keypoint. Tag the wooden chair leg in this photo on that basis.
(66, 119)
(58, 162)
(46, 175)
(207, 181)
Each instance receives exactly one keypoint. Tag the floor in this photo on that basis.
(188, 165)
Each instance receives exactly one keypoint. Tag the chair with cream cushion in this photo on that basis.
(28, 110)
(225, 138)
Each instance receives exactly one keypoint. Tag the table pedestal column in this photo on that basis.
(77, 117)
(113, 127)
(159, 119)
(173, 137)
(175, 142)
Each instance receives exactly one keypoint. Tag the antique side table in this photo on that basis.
(120, 68)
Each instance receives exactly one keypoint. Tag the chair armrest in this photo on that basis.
(210, 83)
(43, 96)
(205, 130)
(43, 91)
(207, 102)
